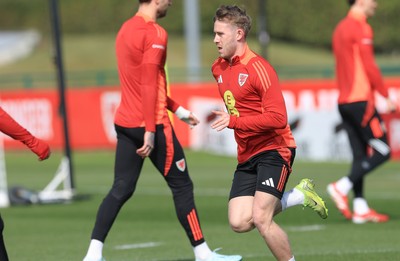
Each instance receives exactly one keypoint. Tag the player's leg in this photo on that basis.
(273, 171)
(240, 213)
(365, 129)
(3, 251)
(375, 135)
(126, 172)
(171, 162)
(243, 190)
(339, 190)
(359, 151)
(303, 194)
(274, 236)
(257, 188)
(248, 212)
(241, 197)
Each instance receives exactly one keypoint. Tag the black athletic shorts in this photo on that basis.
(267, 172)
(366, 127)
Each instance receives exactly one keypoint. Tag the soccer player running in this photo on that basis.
(144, 130)
(13, 129)
(358, 77)
(256, 111)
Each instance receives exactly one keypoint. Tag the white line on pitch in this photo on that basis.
(305, 228)
(138, 245)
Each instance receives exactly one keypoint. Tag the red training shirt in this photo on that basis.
(253, 98)
(141, 49)
(356, 71)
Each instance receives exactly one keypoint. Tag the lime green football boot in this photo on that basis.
(311, 198)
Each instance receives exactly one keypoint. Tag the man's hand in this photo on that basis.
(41, 149)
(192, 120)
(148, 145)
(222, 120)
(187, 116)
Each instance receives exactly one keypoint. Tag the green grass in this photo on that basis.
(62, 231)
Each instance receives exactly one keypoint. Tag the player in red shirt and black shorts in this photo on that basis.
(144, 130)
(358, 77)
(256, 111)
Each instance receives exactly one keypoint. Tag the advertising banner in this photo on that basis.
(311, 106)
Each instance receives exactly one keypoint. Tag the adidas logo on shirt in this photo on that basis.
(269, 182)
(220, 79)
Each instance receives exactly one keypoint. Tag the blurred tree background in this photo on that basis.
(303, 21)
(300, 38)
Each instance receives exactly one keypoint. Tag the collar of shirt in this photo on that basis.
(145, 17)
(236, 59)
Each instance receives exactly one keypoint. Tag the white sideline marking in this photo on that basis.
(305, 228)
(139, 245)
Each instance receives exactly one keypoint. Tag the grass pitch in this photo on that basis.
(147, 229)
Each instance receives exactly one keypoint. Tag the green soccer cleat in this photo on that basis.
(311, 198)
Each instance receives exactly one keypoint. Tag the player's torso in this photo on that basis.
(236, 89)
(138, 42)
(353, 81)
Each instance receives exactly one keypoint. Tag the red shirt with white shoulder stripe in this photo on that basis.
(357, 73)
(141, 49)
(250, 89)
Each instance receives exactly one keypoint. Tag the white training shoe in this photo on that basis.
(218, 257)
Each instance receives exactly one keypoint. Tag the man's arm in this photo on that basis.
(365, 42)
(373, 72)
(10, 127)
(149, 91)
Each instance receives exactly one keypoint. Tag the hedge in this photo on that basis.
(303, 21)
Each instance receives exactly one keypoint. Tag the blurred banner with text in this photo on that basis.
(311, 106)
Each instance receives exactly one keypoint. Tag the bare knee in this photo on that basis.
(241, 225)
(240, 214)
(262, 221)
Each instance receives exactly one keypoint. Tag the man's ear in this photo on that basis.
(240, 34)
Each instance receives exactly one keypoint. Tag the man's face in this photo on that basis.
(225, 39)
(163, 6)
(369, 7)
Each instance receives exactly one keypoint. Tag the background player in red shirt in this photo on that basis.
(144, 130)
(358, 77)
(256, 111)
(13, 129)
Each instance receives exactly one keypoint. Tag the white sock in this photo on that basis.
(292, 259)
(360, 206)
(95, 250)
(202, 251)
(344, 185)
(292, 198)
